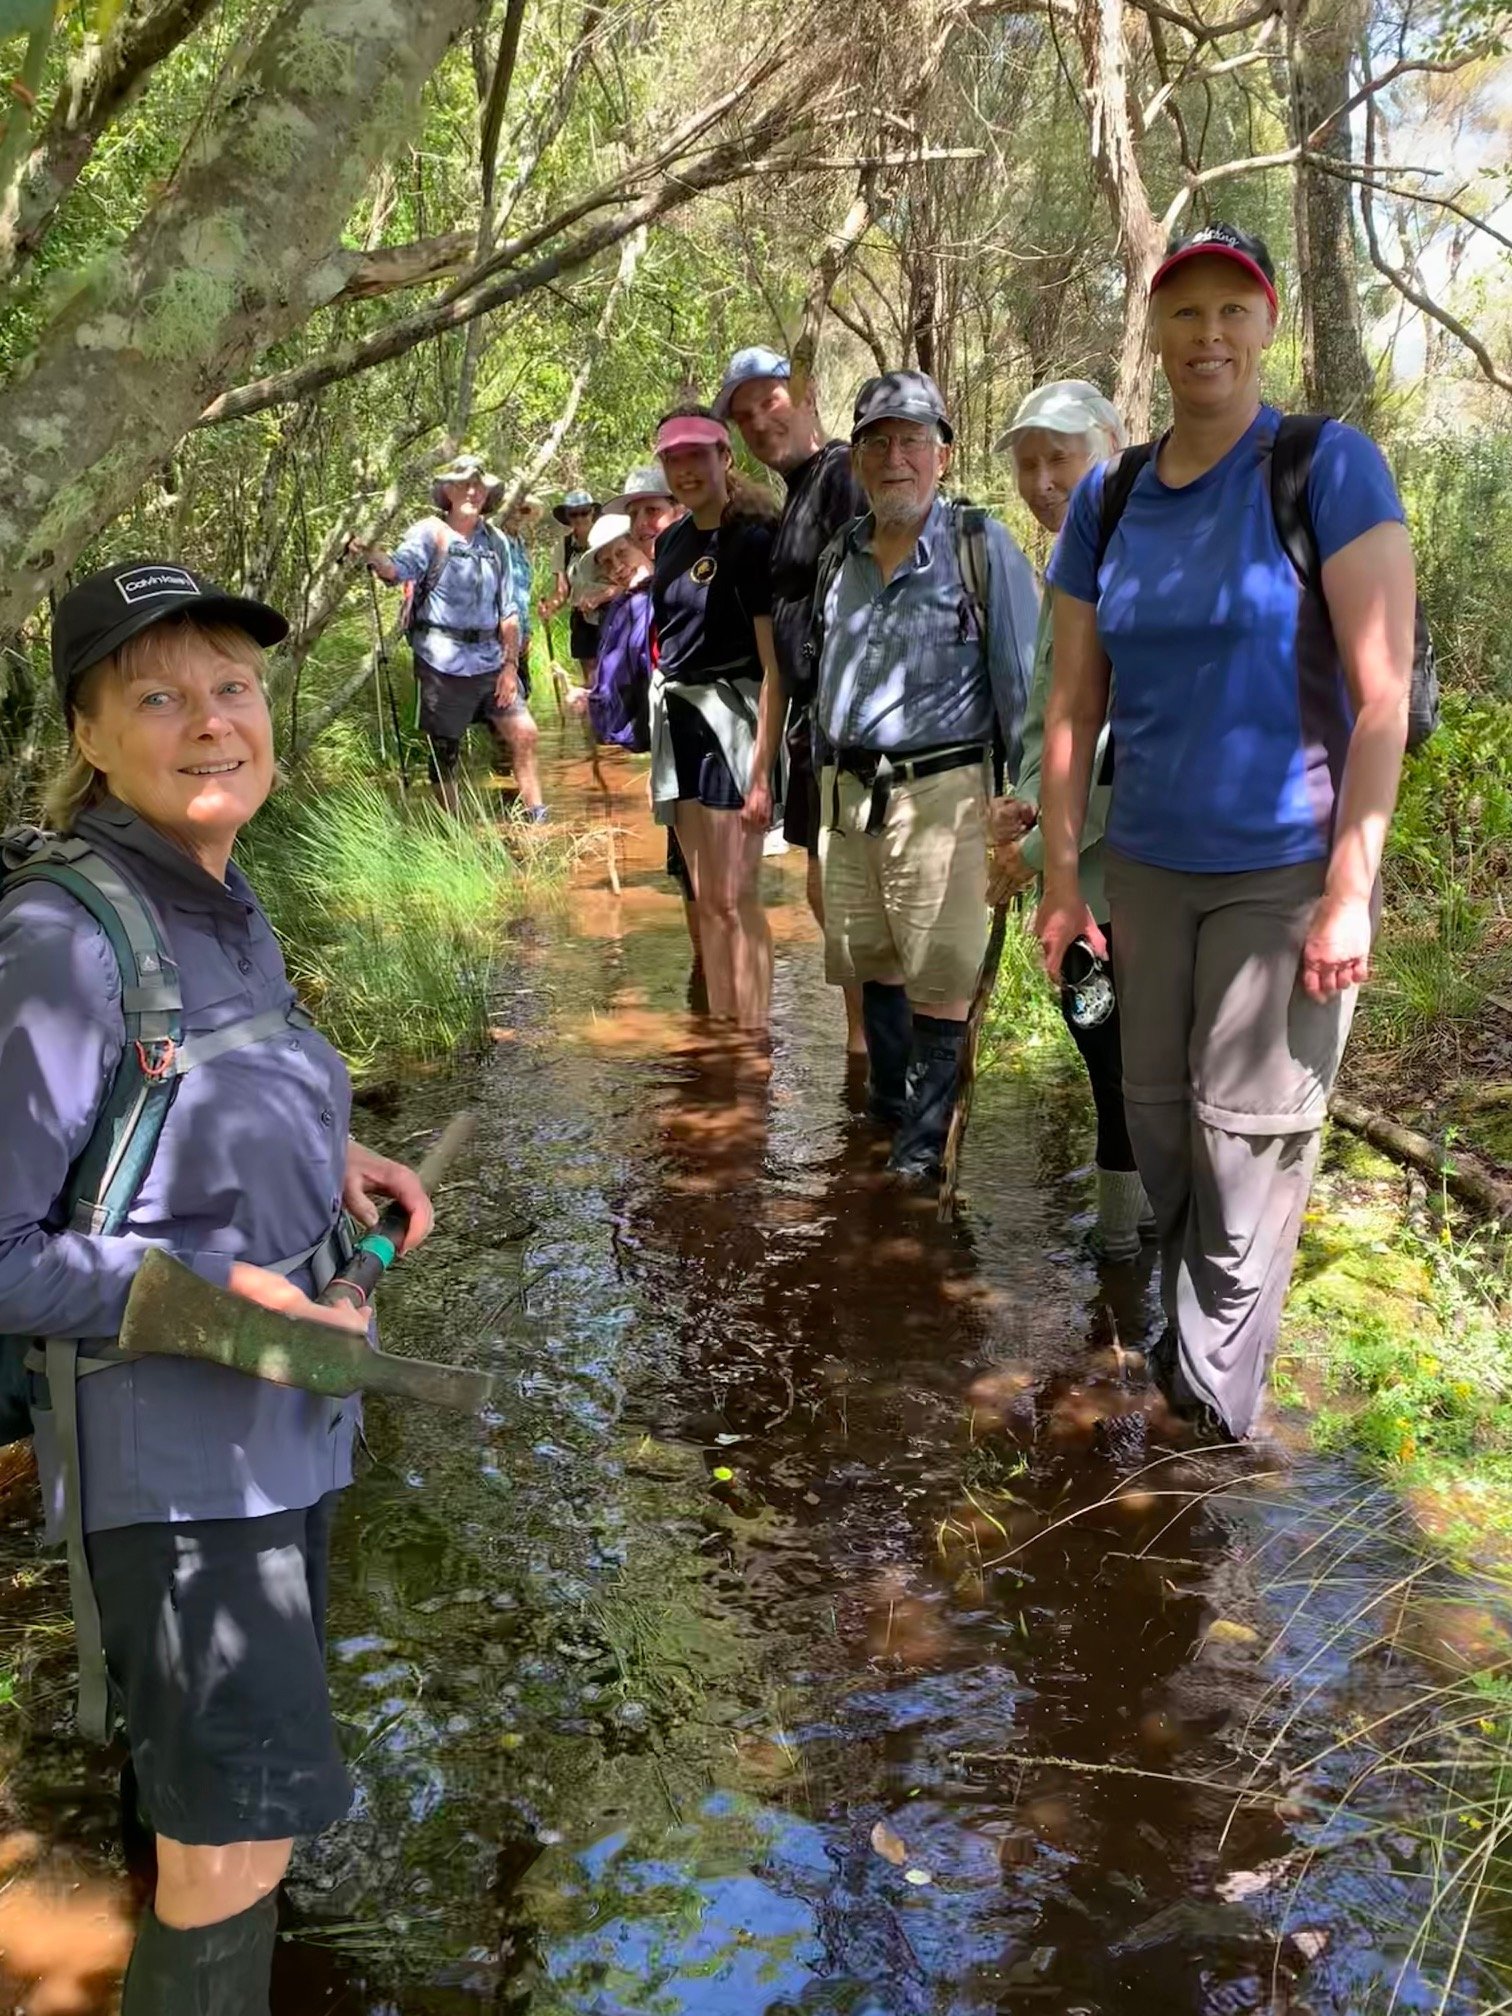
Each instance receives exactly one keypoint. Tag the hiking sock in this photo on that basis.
(933, 1072)
(889, 1024)
(208, 1970)
(1121, 1202)
(538, 815)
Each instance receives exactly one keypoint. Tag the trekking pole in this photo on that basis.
(386, 681)
(966, 1071)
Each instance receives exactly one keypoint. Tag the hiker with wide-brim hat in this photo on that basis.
(618, 703)
(1259, 701)
(647, 501)
(465, 628)
(197, 1502)
(577, 582)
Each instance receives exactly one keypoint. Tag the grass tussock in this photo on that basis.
(1023, 1020)
(392, 914)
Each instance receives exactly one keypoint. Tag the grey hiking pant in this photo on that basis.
(1227, 1065)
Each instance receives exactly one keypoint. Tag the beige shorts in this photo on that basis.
(912, 898)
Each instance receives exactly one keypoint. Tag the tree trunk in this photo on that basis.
(1335, 370)
(237, 256)
(1100, 28)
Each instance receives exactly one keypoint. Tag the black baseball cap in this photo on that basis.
(1222, 241)
(102, 611)
(901, 395)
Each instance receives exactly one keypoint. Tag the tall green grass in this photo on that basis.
(1023, 1020)
(391, 914)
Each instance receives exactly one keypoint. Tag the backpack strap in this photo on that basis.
(421, 590)
(109, 1173)
(968, 527)
(1291, 463)
(1119, 477)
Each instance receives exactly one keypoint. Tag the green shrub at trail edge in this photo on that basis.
(390, 914)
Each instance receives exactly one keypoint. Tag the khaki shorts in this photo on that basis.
(912, 898)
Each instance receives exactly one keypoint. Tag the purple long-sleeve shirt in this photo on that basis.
(249, 1167)
(619, 699)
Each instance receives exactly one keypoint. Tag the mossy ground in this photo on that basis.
(1398, 1336)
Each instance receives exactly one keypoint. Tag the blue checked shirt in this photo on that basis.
(904, 665)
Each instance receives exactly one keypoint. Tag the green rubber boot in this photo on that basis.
(210, 1970)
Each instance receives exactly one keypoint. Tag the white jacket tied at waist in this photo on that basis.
(729, 707)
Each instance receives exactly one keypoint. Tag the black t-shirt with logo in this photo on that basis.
(707, 590)
(823, 495)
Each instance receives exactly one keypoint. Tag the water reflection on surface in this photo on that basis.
(826, 1623)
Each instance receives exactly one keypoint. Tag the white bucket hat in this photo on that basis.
(610, 526)
(1069, 406)
(649, 480)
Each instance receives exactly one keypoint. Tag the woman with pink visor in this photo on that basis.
(716, 705)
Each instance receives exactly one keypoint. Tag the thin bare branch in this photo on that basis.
(498, 98)
(101, 83)
(1202, 31)
(1368, 90)
(1226, 171)
(726, 163)
(1417, 295)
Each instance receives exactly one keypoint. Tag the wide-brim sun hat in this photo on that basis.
(575, 500)
(607, 527)
(1221, 241)
(690, 430)
(466, 469)
(743, 367)
(102, 612)
(649, 479)
(1068, 406)
(901, 395)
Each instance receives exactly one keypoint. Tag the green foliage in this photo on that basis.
(1023, 1018)
(390, 913)
(1458, 493)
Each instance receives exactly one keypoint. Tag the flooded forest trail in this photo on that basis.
(821, 1625)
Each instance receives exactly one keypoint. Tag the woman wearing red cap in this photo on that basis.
(1259, 715)
(716, 705)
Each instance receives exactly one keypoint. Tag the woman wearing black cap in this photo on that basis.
(1259, 716)
(197, 1503)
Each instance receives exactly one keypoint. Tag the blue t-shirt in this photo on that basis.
(1230, 713)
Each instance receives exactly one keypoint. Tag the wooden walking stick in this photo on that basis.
(966, 1074)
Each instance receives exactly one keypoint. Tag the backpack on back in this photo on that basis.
(1290, 470)
(968, 530)
(104, 1181)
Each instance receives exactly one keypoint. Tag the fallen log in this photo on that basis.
(1471, 1185)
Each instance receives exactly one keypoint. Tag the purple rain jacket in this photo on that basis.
(249, 1167)
(619, 700)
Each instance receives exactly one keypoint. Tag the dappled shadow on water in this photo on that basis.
(829, 1620)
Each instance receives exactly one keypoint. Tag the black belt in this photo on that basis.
(462, 636)
(879, 772)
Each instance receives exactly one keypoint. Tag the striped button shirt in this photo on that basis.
(905, 665)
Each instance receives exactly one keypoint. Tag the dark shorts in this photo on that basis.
(800, 808)
(582, 638)
(214, 1636)
(450, 703)
(703, 775)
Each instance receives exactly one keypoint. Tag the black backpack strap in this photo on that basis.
(1292, 454)
(1119, 477)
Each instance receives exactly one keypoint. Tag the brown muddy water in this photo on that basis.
(825, 1623)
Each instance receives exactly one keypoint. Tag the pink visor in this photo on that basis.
(690, 430)
(1217, 251)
